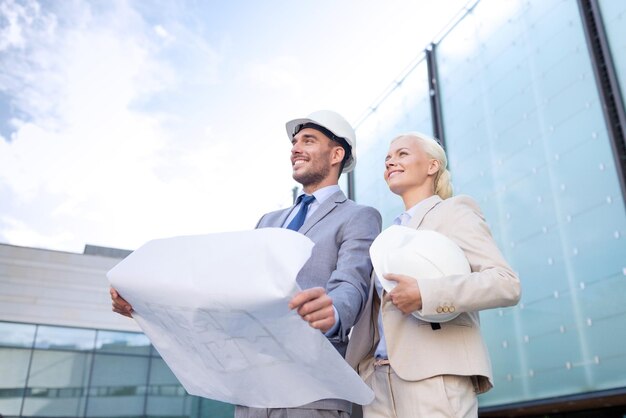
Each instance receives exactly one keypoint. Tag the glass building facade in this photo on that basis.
(526, 136)
(52, 371)
(405, 107)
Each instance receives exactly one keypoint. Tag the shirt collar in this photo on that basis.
(321, 195)
(406, 216)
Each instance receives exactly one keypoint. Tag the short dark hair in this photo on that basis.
(339, 140)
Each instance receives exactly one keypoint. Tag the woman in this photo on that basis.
(417, 369)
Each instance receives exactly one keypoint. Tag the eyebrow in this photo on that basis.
(396, 151)
(309, 135)
(306, 136)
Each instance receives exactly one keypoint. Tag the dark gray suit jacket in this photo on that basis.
(340, 262)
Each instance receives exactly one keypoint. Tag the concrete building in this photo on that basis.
(63, 353)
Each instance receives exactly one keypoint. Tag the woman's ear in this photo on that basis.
(433, 167)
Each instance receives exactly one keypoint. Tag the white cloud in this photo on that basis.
(132, 125)
(279, 73)
(162, 33)
(83, 140)
(108, 172)
(16, 231)
(19, 18)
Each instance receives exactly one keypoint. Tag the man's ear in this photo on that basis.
(337, 154)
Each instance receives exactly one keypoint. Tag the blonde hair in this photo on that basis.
(431, 146)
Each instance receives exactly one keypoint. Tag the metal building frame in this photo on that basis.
(607, 83)
(435, 94)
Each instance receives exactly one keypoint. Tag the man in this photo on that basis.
(336, 277)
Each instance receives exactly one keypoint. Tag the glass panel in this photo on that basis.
(154, 352)
(60, 338)
(17, 335)
(207, 408)
(56, 384)
(122, 342)
(526, 137)
(166, 397)
(406, 108)
(13, 371)
(117, 380)
(614, 18)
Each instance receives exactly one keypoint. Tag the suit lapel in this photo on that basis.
(274, 219)
(283, 217)
(422, 210)
(324, 209)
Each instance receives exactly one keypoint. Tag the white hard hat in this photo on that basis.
(333, 122)
(418, 253)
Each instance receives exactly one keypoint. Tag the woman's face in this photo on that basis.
(408, 168)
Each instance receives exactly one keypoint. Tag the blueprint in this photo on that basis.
(215, 308)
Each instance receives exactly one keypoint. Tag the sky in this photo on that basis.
(126, 121)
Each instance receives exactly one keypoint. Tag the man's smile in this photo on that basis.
(298, 161)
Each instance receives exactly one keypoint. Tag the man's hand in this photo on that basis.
(406, 296)
(315, 307)
(120, 305)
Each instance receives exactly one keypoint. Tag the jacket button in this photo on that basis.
(446, 309)
(439, 309)
(452, 309)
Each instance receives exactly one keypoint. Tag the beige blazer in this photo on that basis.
(417, 351)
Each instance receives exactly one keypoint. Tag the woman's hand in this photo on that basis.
(406, 296)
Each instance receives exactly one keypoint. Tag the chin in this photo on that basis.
(395, 189)
(297, 176)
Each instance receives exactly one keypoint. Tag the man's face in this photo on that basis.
(313, 155)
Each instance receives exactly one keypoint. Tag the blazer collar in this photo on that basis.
(283, 217)
(324, 209)
(423, 208)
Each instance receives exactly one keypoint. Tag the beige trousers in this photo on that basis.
(445, 396)
(245, 412)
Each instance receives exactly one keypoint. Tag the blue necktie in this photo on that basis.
(298, 220)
